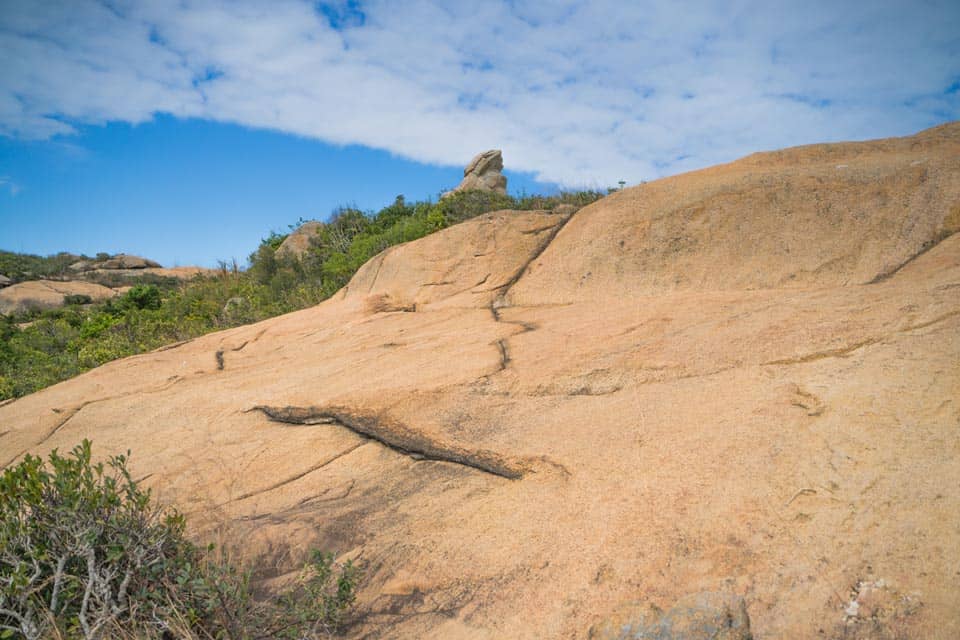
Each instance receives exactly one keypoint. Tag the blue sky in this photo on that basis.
(187, 191)
(185, 131)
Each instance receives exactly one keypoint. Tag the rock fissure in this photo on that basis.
(924, 248)
(71, 413)
(396, 436)
(504, 354)
(169, 347)
(283, 515)
(499, 301)
(840, 352)
(219, 354)
(53, 430)
(929, 323)
(556, 229)
(297, 476)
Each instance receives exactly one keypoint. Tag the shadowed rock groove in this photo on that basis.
(924, 248)
(396, 436)
(557, 228)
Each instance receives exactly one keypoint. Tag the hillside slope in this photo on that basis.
(741, 380)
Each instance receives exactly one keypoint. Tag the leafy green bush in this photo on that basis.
(464, 205)
(85, 553)
(142, 296)
(83, 550)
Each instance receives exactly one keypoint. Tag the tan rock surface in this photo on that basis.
(483, 174)
(742, 380)
(47, 294)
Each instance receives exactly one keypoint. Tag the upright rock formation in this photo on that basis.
(297, 243)
(483, 174)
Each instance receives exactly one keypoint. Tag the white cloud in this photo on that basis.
(577, 92)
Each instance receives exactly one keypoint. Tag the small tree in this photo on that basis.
(142, 296)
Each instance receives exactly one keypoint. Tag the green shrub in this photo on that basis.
(85, 553)
(83, 550)
(77, 298)
(142, 296)
(464, 205)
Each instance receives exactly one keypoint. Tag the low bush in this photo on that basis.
(77, 298)
(142, 296)
(85, 553)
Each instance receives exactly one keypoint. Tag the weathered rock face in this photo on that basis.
(298, 243)
(483, 174)
(123, 266)
(741, 380)
(5, 281)
(47, 294)
(82, 265)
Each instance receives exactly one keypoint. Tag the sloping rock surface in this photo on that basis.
(741, 380)
(47, 294)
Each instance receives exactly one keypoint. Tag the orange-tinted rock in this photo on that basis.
(741, 380)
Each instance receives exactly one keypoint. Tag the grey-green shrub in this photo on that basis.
(85, 553)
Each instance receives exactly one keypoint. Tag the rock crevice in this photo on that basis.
(396, 436)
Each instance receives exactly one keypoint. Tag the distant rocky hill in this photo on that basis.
(722, 404)
(35, 283)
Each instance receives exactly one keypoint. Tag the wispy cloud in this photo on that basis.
(577, 92)
(9, 185)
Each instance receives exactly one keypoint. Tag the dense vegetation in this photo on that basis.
(85, 553)
(44, 348)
